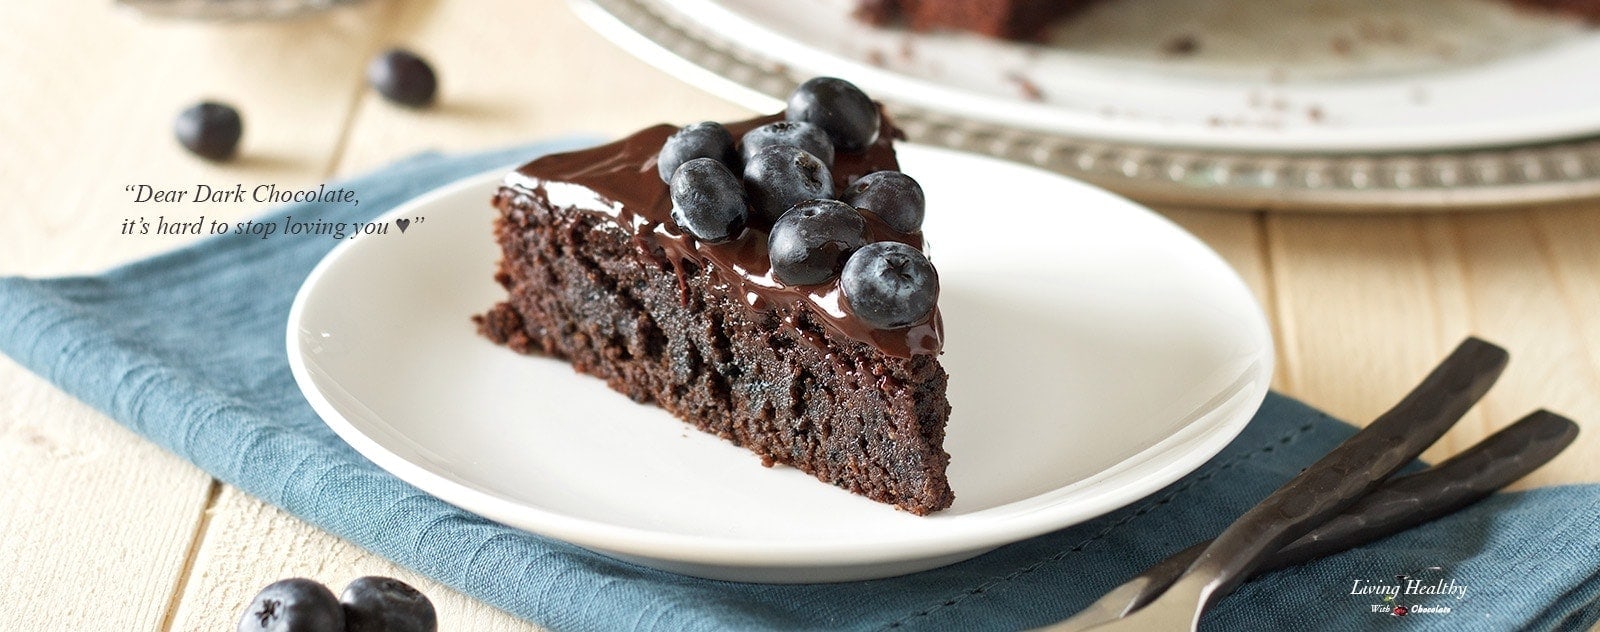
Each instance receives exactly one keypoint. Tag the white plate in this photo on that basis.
(1270, 75)
(1096, 353)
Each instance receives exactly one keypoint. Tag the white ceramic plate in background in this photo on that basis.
(1266, 75)
(1238, 124)
(1096, 353)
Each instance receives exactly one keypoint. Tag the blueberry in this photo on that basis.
(385, 604)
(700, 140)
(838, 107)
(890, 285)
(810, 243)
(793, 133)
(211, 130)
(293, 605)
(893, 196)
(781, 176)
(403, 77)
(708, 201)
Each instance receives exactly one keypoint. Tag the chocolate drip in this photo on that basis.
(619, 180)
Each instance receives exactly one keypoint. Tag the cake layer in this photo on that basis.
(670, 330)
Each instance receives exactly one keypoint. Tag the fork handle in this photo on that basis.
(1411, 500)
(1349, 471)
(1406, 501)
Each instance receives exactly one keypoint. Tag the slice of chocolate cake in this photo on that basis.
(754, 308)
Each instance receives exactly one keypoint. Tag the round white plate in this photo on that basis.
(1265, 75)
(1096, 353)
(1274, 117)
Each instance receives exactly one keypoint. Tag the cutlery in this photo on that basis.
(1319, 493)
(1399, 504)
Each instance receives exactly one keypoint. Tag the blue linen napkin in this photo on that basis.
(187, 349)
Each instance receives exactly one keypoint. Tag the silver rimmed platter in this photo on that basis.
(1307, 104)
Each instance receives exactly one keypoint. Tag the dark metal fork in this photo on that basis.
(1343, 500)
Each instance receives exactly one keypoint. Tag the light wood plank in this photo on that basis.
(1521, 300)
(91, 98)
(533, 71)
(252, 544)
(98, 524)
(95, 523)
(1571, 236)
(1373, 301)
(1368, 304)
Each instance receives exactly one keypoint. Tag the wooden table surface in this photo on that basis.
(101, 528)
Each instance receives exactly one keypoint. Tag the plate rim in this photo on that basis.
(1304, 181)
(923, 93)
(979, 535)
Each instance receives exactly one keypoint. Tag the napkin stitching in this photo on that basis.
(1079, 547)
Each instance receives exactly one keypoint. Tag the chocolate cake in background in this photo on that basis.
(1008, 19)
(1589, 10)
(1026, 19)
(603, 269)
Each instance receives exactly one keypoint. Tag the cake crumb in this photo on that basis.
(1316, 114)
(1030, 90)
(1341, 46)
(1181, 46)
(877, 58)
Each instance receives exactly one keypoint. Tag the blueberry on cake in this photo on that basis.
(763, 281)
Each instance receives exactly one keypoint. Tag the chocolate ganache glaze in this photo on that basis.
(619, 180)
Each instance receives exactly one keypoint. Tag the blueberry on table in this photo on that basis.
(708, 201)
(700, 140)
(403, 77)
(781, 176)
(792, 133)
(893, 196)
(385, 604)
(293, 605)
(838, 107)
(810, 243)
(890, 285)
(209, 129)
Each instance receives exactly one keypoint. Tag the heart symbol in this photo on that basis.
(402, 223)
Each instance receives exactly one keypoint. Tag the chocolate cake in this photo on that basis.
(1024, 19)
(1009, 19)
(602, 273)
